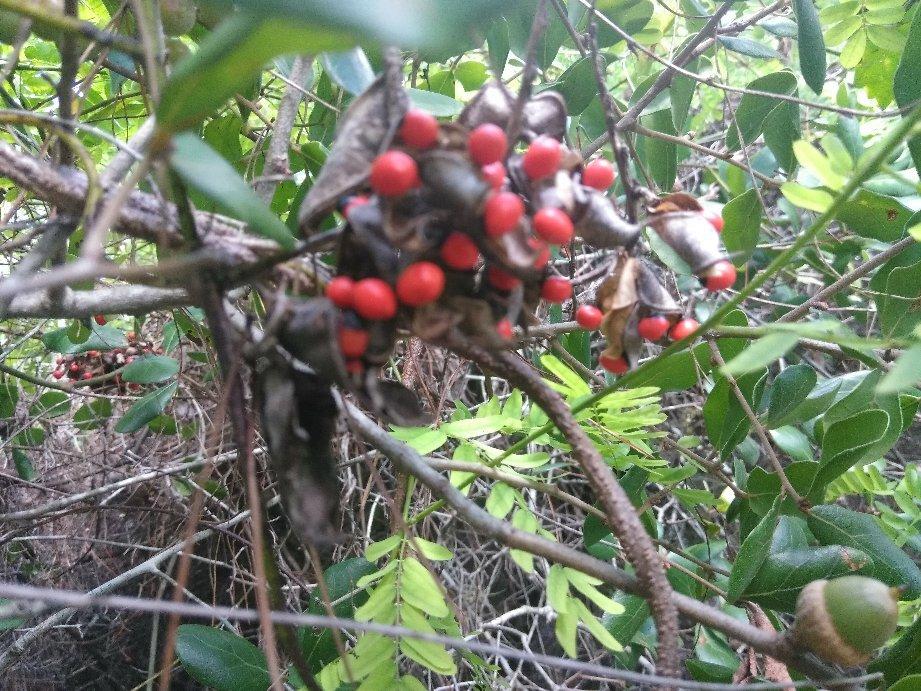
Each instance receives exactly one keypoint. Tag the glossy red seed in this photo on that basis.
(93, 353)
(598, 174)
(357, 200)
(613, 365)
(341, 292)
(683, 329)
(130, 335)
(556, 289)
(553, 225)
(87, 375)
(502, 213)
(542, 159)
(720, 276)
(589, 317)
(504, 329)
(501, 279)
(459, 252)
(393, 174)
(487, 144)
(58, 373)
(494, 174)
(715, 217)
(100, 319)
(543, 252)
(420, 283)
(74, 367)
(419, 129)
(653, 328)
(353, 342)
(375, 300)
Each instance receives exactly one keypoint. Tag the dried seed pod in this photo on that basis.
(454, 181)
(394, 402)
(600, 225)
(311, 334)
(653, 296)
(361, 132)
(493, 104)
(545, 114)
(679, 221)
(845, 619)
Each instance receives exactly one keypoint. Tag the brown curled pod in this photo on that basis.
(653, 296)
(310, 333)
(361, 134)
(493, 104)
(600, 225)
(454, 182)
(545, 115)
(679, 220)
(364, 249)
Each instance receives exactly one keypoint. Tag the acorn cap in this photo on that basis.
(845, 619)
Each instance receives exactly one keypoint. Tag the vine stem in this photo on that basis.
(619, 511)
(864, 171)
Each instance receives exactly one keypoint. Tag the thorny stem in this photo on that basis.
(621, 515)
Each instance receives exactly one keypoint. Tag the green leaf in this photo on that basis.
(898, 312)
(230, 57)
(146, 409)
(726, 421)
(101, 338)
(817, 163)
(12, 623)
(558, 589)
(789, 390)
(421, 439)
(903, 659)
(498, 44)
(811, 44)
(910, 683)
(420, 589)
(220, 659)
(431, 550)
(848, 441)
(24, 467)
(93, 414)
(907, 83)
(9, 396)
(376, 550)
(745, 46)
(661, 156)
(793, 442)
(594, 626)
(781, 129)
(349, 69)
(437, 104)
(809, 198)
(873, 215)
(500, 501)
(201, 168)
(752, 553)
(835, 525)
(631, 16)
(577, 85)
(471, 74)
(783, 575)
(779, 26)
(150, 369)
(678, 371)
(753, 110)
(905, 372)
(50, 404)
(760, 353)
(430, 655)
(566, 628)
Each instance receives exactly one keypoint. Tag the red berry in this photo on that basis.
(459, 252)
(715, 217)
(556, 289)
(613, 365)
(375, 299)
(74, 367)
(419, 129)
(341, 291)
(653, 328)
(542, 158)
(353, 342)
(502, 213)
(553, 225)
(100, 319)
(501, 279)
(683, 329)
(494, 174)
(59, 360)
(543, 252)
(720, 276)
(487, 144)
(393, 174)
(93, 353)
(504, 329)
(58, 373)
(420, 284)
(130, 335)
(134, 386)
(354, 366)
(357, 200)
(87, 375)
(598, 174)
(589, 317)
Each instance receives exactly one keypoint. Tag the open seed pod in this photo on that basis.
(844, 620)
(600, 225)
(653, 296)
(544, 114)
(360, 135)
(453, 181)
(678, 219)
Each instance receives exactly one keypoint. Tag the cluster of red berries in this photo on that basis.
(88, 366)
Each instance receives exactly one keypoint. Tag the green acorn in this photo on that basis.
(845, 619)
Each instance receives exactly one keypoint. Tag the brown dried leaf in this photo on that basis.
(361, 134)
(617, 298)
